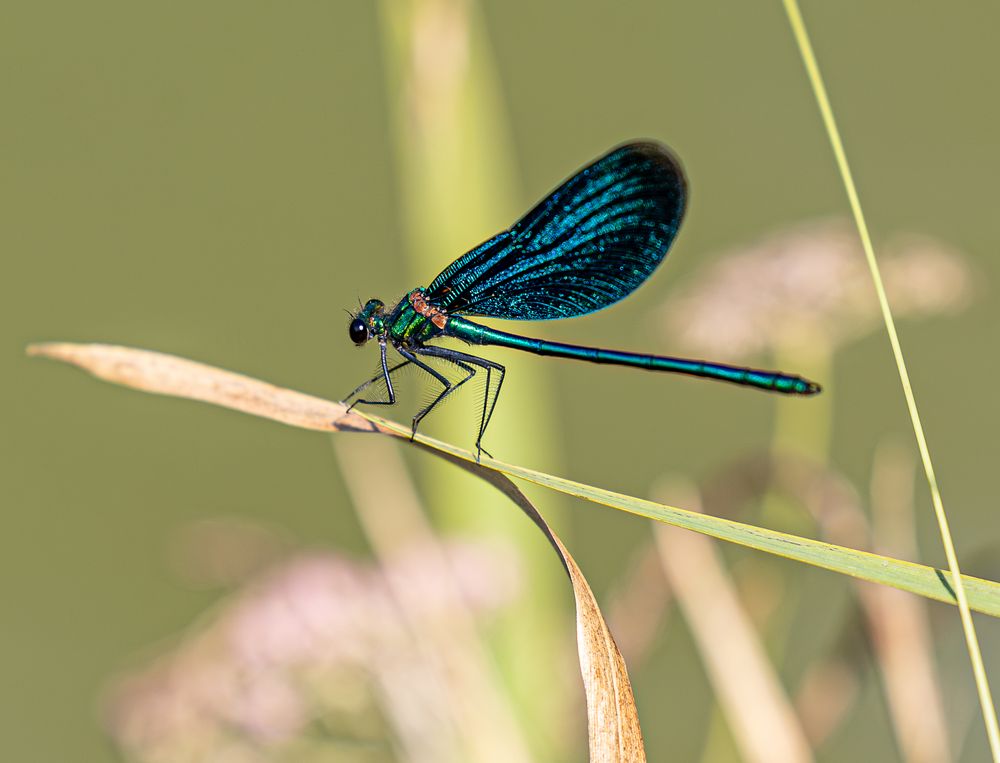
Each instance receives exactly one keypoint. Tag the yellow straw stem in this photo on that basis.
(819, 90)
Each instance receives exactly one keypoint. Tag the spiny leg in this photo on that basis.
(469, 373)
(482, 416)
(386, 372)
(461, 358)
(496, 396)
(375, 378)
(448, 387)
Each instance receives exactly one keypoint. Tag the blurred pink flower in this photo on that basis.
(810, 283)
(317, 637)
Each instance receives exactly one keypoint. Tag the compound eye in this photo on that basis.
(358, 331)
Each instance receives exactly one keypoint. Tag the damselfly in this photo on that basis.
(591, 242)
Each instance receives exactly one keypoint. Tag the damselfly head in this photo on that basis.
(367, 322)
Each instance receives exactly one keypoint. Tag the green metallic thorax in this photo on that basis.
(405, 326)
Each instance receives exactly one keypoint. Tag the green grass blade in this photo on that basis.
(983, 595)
(164, 374)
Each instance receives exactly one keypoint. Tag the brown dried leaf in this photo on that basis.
(612, 718)
(613, 721)
(165, 374)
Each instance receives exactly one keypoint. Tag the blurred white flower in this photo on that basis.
(810, 283)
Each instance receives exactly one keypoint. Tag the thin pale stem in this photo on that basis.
(972, 641)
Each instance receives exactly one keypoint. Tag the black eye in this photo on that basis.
(358, 331)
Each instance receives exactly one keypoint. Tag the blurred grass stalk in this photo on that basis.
(456, 176)
(756, 714)
(759, 714)
(900, 627)
(805, 429)
(482, 720)
(810, 295)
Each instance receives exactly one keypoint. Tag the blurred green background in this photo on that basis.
(219, 180)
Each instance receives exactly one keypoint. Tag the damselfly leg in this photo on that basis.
(386, 375)
(463, 358)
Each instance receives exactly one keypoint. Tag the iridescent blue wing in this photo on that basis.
(588, 244)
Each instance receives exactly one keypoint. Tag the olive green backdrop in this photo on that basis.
(217, 180)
